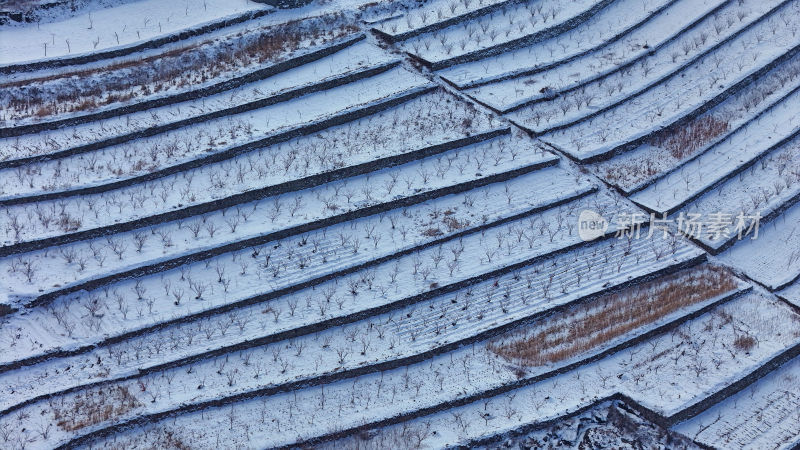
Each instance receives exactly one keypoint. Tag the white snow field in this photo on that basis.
(123, 25)
(372, 225)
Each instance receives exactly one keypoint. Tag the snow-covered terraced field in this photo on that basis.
(607, 32)
(122, 25)
(590, 96)
(513, 25)
(620, 33)
(111, 86)
(774, 258)
(400, 225)
(771, 404)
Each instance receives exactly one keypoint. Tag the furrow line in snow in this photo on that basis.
(530, 39)
(150, 44)
(672, 74)
(688, 116)
(284, 291)
(326, 379)
(731, 389)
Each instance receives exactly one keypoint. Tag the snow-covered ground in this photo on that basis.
(686, 91)
(95, 170)
(252, 267)
(735, 152)
(316, 239)
(651, 161)
(517, 91)
(464, 370)
(792, 293)
(764, 415)
(119, 26)
(774, 258)
(516, 21)
(596, 34)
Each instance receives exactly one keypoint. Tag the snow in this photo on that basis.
(51, 374)
(120, 26)
(438, 11)
(611, 424)
(604, 57)
(650, 71)
(674, 99)
(773, 258)
(97, 169)
(400, 332)
(272, 214)
(764, 415)
(390, 269)
(792, 293)
(568, 391)
(732, 154)
(634, 170)
(516, 92)
(245, 127)
(357, 57)
(554, 185)
(506, 25)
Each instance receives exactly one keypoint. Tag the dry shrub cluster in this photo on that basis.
(91, 407)
(90, 89)
(744, 343)
(451, 223)
(586, 326)
(685, 140)
(630, 172)
(681, 142)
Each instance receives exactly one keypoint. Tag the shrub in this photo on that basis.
(684, 140)
(58, 94)
(744, 343)
(588, 325)
(91, 407)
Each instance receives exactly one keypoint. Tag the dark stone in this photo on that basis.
(285, 4)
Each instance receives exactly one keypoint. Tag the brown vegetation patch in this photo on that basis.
(432, 232)
(91, 407)
(683, 141)
(744, 343)
(454, 224)
(197, 63)
(589, 325)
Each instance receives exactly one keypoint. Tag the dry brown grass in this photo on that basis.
(121, 82)
(91, 407)
(683, 141)
(589, 325)
(744, 343)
